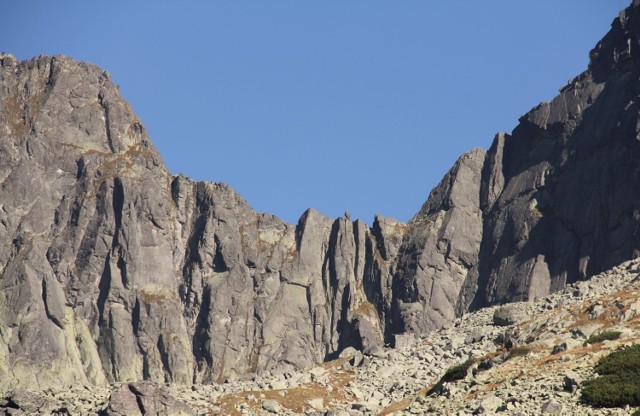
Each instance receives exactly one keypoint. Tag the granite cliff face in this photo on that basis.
(112, 269)
(560, 201)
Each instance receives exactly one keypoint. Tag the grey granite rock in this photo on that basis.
(550, 224)
(508, 315)
(114, 270)
(271, 406)
(144, 398)
(572, 381)
(551, 407)
(123, 402)
(403, 341)
(440, 251)
(29, 402)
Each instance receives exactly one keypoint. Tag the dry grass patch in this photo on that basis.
(294, 399)
(579, 352)
(483, 389)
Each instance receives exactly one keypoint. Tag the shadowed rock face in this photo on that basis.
(112, 269)
(566, 182)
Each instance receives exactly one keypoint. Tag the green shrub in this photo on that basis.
(625, 361)
(457, 372)
(619, 381)
(603, 336)
(636, 413)
(611, 391)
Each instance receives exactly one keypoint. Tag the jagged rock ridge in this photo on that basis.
(115, 270)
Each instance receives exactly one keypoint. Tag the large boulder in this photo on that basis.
(144, 398)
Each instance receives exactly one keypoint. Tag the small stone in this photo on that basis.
(489, 405)
(348, 352)
(278, 385)
(404, 341)
(317, 371)
(475, 336)
(572, 381)
(316, 403)
(361, 406)
(552, 407)
(375, 351)
(271, 406)
(557, 349)
(357, 359)
(388, 371)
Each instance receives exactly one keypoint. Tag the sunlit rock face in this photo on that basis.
(113, 269)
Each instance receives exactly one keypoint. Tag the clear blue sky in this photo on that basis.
(337, 105)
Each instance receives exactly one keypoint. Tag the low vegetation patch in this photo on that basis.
(457, 372)
(603, 336)
(619, 381)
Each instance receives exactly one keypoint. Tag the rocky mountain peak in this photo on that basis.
(453, 190)
(112, 270)
(618, 51)
(58, 98)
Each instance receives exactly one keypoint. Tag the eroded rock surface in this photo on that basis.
(563, 205)
(114, 270)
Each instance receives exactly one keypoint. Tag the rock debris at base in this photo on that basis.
(395, 380)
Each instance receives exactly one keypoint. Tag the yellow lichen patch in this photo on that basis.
(20, 110)
(14, 117)
(366, 308)
(270, 236)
